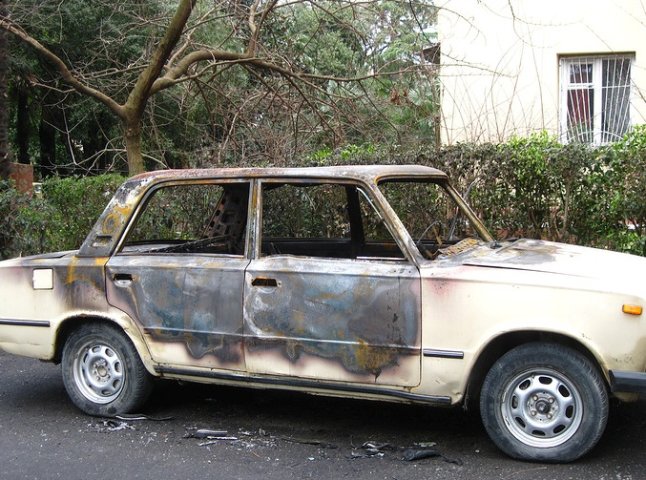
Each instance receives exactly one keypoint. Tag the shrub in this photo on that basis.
(77, 203)
(23, 222)
(58, 220)
(536, 187)
(527, 187)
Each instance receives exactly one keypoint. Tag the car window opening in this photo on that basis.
(328, 220)
(173, 221)
(432, 218)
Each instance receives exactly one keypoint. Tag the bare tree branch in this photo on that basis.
(256, 27)
(141, 91)
(64, 71)
(174, 74)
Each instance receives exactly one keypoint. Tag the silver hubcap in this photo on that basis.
(542, 408)
(99, 373)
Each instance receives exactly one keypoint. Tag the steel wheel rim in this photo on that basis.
(542, 408)
(99, 373)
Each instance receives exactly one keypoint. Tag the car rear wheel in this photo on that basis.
(102, 371)
(544, 402)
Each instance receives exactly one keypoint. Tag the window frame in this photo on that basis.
(370, 191)
(597, 88)
(142, 206)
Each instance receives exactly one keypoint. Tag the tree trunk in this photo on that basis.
(22, 123)
(47, 136)
(4, 107)
(132, 136)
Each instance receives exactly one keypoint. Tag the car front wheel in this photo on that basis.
(544, 402)
(102, 372)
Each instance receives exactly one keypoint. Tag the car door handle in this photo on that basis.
(122, 279)
(264, 282)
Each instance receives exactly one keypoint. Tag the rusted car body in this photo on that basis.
(335, 281)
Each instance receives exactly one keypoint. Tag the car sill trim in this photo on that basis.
(24, 323)
(432, 352)
(302, 383)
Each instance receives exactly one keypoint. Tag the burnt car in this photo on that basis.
(373, 282)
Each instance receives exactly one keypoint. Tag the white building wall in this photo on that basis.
(499, 63)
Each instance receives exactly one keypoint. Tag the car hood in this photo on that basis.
(558, 258)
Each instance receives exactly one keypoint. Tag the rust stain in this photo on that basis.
(71, 271)
(374, 359)
(115, 219)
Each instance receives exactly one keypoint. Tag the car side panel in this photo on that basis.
(465, 308)
(38, 294)
(189, 306)
(330, 319)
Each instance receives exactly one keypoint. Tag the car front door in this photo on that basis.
(330, 295)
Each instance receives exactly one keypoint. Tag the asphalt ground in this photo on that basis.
(271, 435)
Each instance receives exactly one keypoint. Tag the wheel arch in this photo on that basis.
(67, 326)
(503, 343)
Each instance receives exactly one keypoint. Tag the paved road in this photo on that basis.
(275, 435)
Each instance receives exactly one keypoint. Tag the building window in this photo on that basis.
(595, 98)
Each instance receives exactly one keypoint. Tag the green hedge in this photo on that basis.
(528, 187)
(538, 188)
(59, 219)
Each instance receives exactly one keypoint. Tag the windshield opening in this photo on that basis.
(432, 217)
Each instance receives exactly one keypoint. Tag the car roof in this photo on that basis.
(368, 173)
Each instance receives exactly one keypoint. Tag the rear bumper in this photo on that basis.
(628, 382)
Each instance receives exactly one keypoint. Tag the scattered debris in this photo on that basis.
(114, 426)
(426, 444)
(120, 422)
(419, 451)
(373, 449)
(412, 454)
(307, 441)
(140, 416)
(211, 436)
(205, 433)
(215, 440)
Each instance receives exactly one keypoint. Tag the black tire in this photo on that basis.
(102, 371)
(544, 402)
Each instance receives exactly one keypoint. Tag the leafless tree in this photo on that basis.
(183, 55)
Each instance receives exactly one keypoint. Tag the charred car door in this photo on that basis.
(330, 295)
(180, 273)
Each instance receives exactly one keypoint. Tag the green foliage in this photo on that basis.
(97, 39)
(231, 112)
(539, 188)
(21, 222)
(527, 187)
(322, 37)
(536, 187)
(628, 165)
(76, 203)
(60, 219)
(349, 154)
